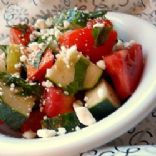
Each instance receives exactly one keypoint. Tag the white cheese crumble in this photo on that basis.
(99, 25)
(47, 84)
(49, 21)
(57, 32)
(66, 92)
(61, 131)
(1, 93)
(66, 54)
(46, 133)
(23, 58)
(29, 134)
(34, 46)
(77, 128)
(48, 72)
(32, 83)
(60, 85)
(85, 98)
(66, 24)
(130, 43)
(45, 117)
(17, 75)
(17, 66)
(12, 87)
(32, 37)
(40, 23)
(83, 114)
(101, 64)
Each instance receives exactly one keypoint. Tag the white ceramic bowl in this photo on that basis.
(132, 112)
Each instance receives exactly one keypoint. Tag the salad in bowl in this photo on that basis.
(65, 73)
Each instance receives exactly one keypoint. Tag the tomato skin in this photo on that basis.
(18, 37)
(55, 102)
(1, 122)
(84, 40)
(46, 62)
(125, 69)
(33, 122)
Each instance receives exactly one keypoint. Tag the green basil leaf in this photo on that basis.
(101, 34)
(97, 14)
(77, 18)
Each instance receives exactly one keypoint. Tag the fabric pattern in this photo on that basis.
(25, 11)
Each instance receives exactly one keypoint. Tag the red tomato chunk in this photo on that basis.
(125, 69)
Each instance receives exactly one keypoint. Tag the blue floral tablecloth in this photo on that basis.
(135, 141)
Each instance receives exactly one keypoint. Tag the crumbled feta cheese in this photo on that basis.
(32, 37)
(130, 43)
(28, 114)
(45, 133)
(60, 85)
(17, 66)
(12, 87)
(61, 131)
(67, 53)
(66, 24)
(40, 23)
(85, 98)
(45, 117)
(23, 58)
(41, 45)
(47, 84)
(29, 134)
(49, 72)
(34, 46)
(66, 92)
(57, 32)
(17, 75)
(77, 128)
(101, 64)
(84, 115)
(99, 25)
(49, 21)
(32, 83)
(36, 33)
(101, 93)
(1, 93)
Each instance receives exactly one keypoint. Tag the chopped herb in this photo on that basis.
(3, 48)
(76, 18)
(98, 13)
(22, 27)
(26, 88)
(101, 34)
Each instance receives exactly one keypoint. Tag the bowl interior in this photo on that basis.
(132, 112)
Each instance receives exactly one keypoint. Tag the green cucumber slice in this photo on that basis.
(14, 108)
(92, 76)
(13, 57)
(79, 77)
(69, 121)
(101, 100)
